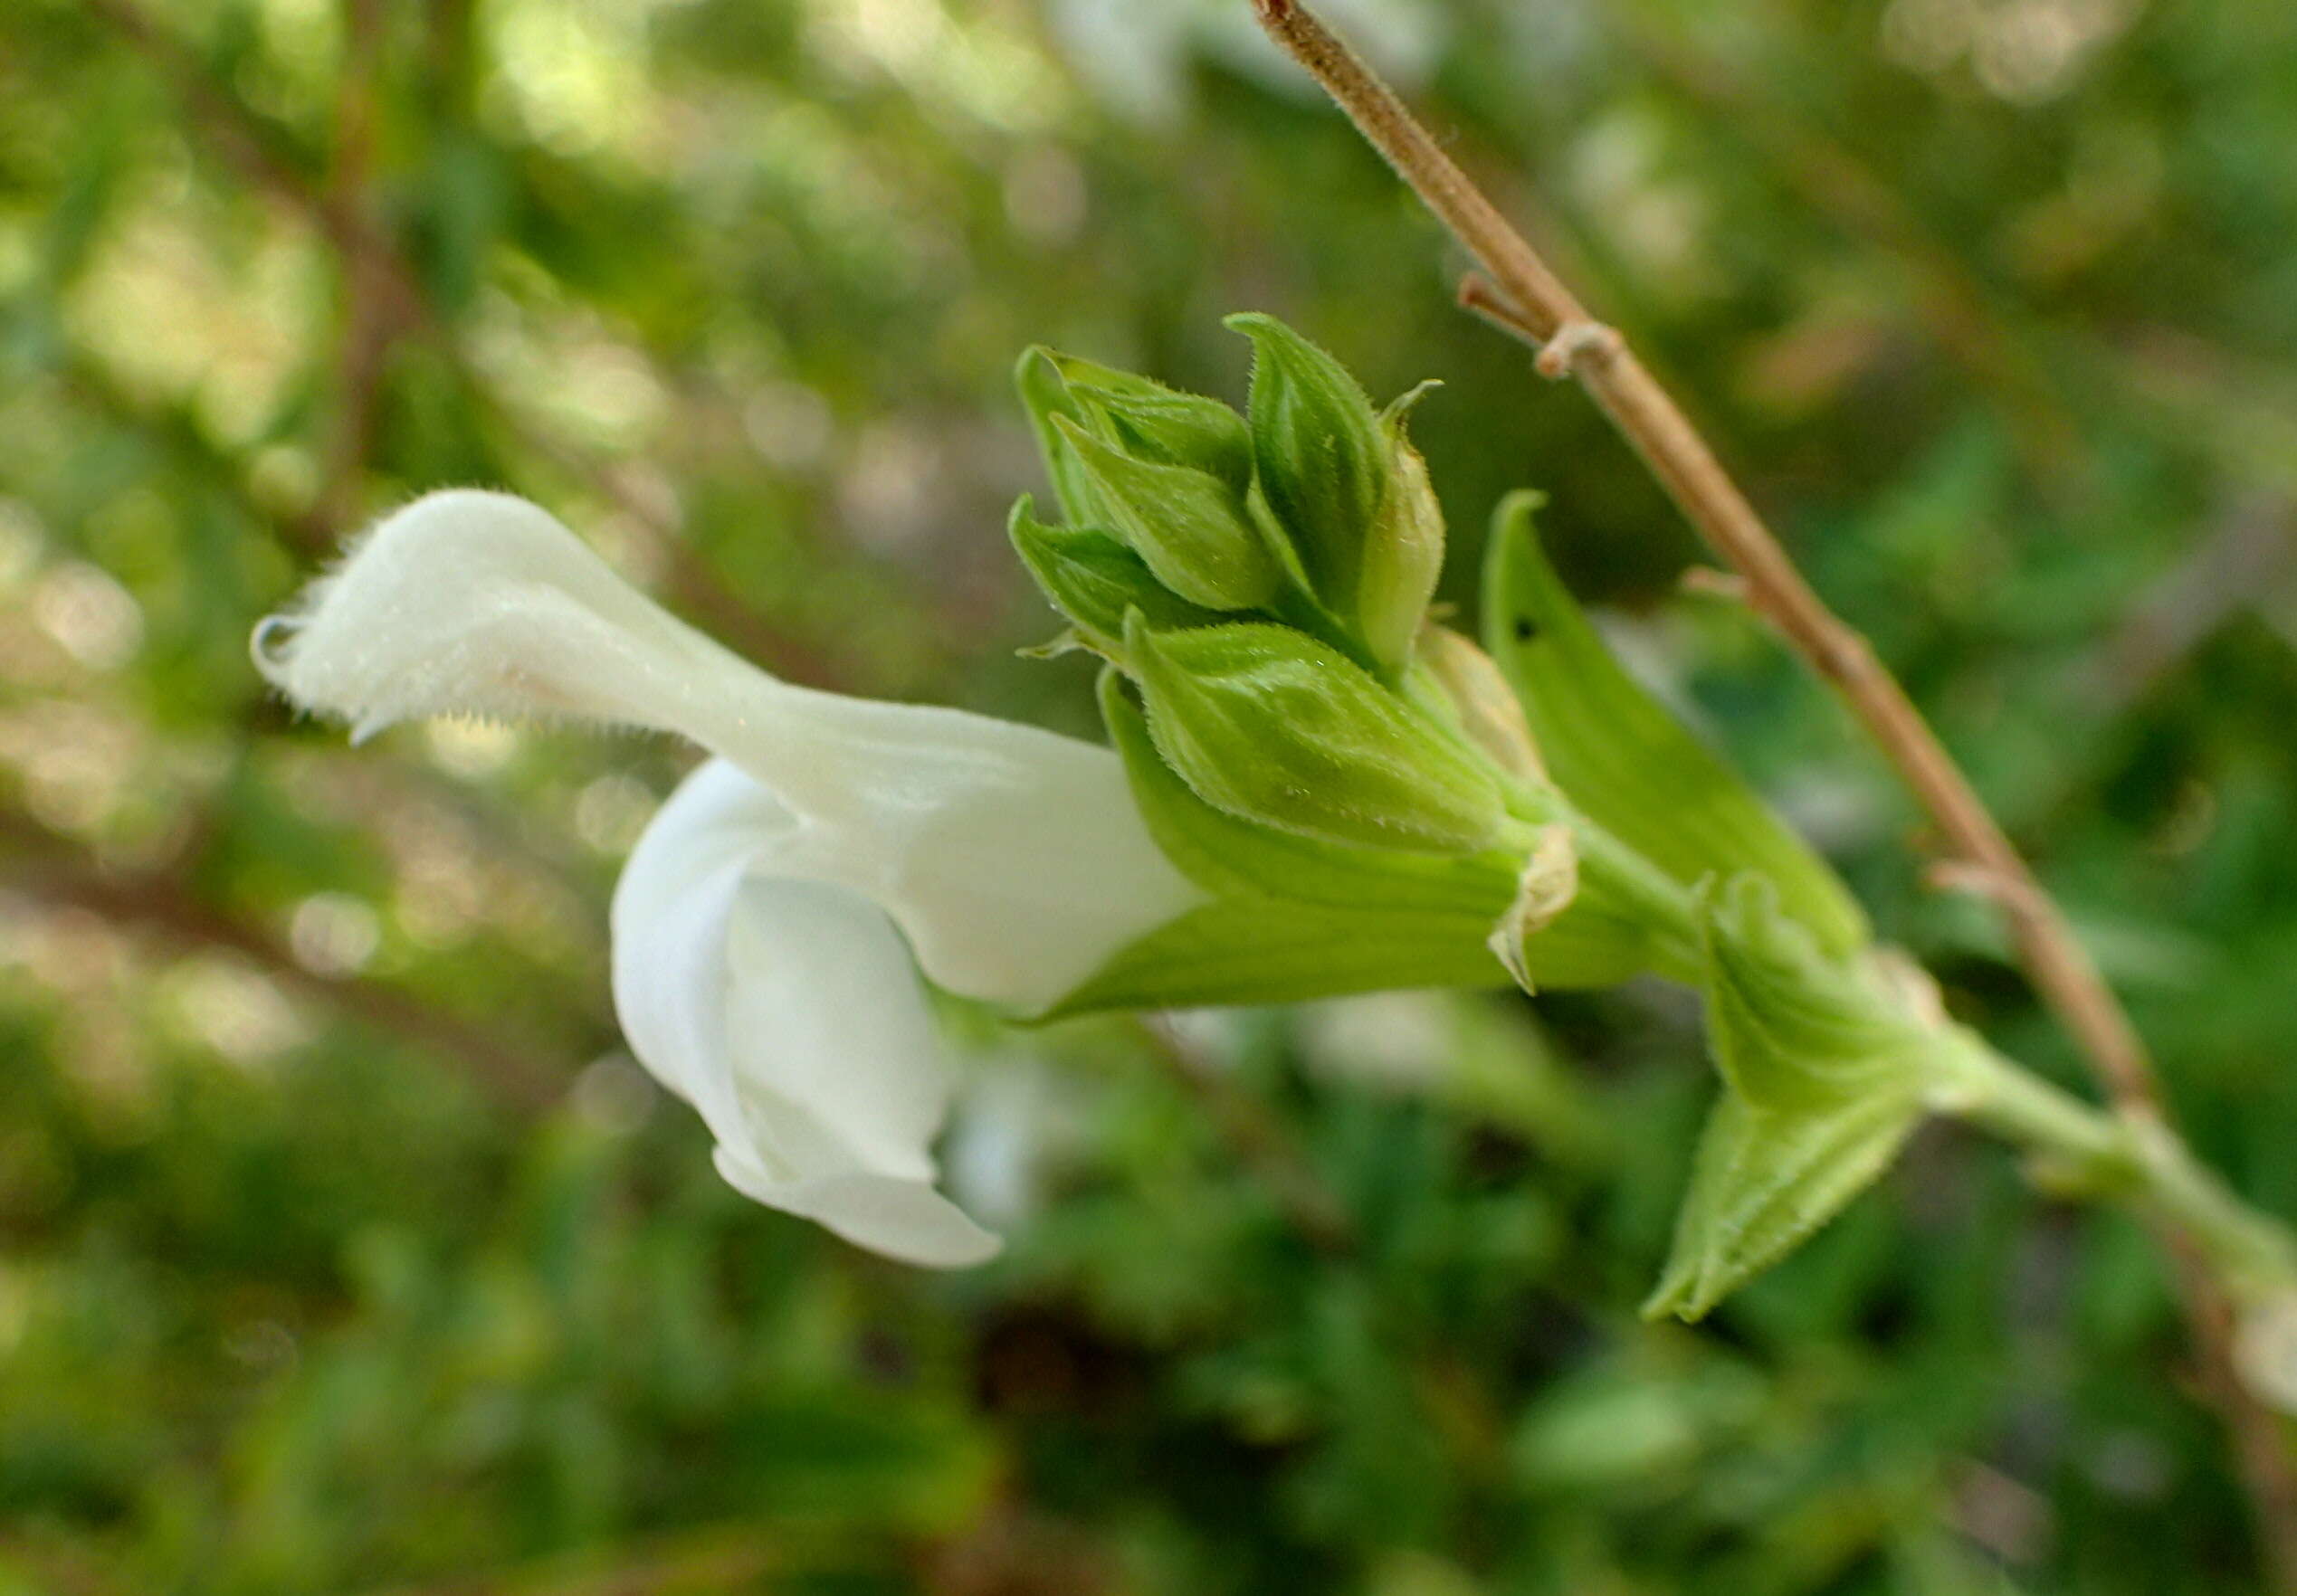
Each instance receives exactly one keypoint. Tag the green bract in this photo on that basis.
(1403, 556)
(1322, 455)
(1626, 762)
(1824, 1069)
(1154, 422)
(1190, 527)
(1274, 726)
(1045, 395)
(1093, 580)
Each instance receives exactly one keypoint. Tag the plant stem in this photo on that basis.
(2086, 1149)
(1528, 298)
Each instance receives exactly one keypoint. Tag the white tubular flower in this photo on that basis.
(758, 970)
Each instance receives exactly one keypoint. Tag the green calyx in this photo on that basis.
(1290, 917)
(1370, 801)
(1274, 727)
(1348, 494)
(1322, 455)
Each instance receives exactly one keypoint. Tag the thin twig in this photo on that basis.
(1527, 296)
(1480, 295)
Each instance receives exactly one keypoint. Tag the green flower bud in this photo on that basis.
(1093, 580)
(1152, 422)
(1403, 558)
(1322, 455)
(1271, 725)
(1190, 527)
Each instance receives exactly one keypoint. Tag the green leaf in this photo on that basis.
(1094, 579)
(1191, 527)
(1824, 1077)
(1274, 726)
(1619, 755)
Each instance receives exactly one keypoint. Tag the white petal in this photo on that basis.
(788, 1013)
(1013, 859)
(479, 603)
(903, 1219)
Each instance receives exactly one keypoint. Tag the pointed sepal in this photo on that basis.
(1192, 528)
(1549, 882)
(1824, 1069)
(1093, 580)
(1154, 422)
(1323, 454)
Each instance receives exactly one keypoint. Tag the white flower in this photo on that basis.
(765, 925)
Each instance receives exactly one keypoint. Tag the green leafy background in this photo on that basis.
(341, 1250)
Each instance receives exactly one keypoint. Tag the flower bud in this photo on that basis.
(1322, 455)
(1271, 725)
(1191, 527)
(1093, 580)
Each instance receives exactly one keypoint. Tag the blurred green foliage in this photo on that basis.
(341, 1250)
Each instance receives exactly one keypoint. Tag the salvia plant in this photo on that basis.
(1312, 787)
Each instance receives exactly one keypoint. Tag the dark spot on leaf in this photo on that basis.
(1526, 629)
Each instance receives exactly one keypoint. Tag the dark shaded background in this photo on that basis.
(342, 1250)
